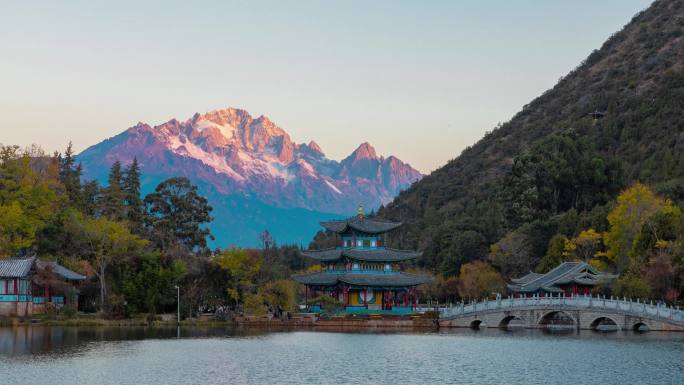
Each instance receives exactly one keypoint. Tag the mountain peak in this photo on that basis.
(252, 162)
(364, 151)
(313, 146)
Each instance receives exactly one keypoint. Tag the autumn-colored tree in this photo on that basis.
(240, 267)
(280, 294)
(635, 208)
(584, 246)
(479, 279)
(28, 197)
(103, 240)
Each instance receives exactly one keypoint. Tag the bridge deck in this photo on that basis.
(660, 313)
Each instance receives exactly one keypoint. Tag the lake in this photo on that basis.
(69, 355)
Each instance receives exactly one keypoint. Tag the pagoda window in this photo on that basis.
(366, 243)
(388, 267)
(355, 266)
(3, 286)
(372, 243)
(348, 243)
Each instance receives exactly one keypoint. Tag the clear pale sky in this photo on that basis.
(419, 80)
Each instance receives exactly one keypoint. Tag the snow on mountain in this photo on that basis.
(228, 153)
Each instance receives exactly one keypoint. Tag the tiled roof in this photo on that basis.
(60, 270)
(371, 226)
(329, 279)
(380, 255)
(16, 268)
(566, 272)
(527, 278)
(21, 268)
(325, 255)
(401, 279)
(371, 255)
(324, 279)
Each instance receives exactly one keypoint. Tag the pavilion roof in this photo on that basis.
(361, 279)
(60, 270)
(16, 267)
(369, 255)
(21, 268)
(566, 272)
(365, 225)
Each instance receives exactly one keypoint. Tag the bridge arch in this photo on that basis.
(475, 324)
(606, 321)
(504, 323)
(641, 326)
(557, 318)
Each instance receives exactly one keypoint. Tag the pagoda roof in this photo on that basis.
(567, 272)
(362, 279)
(369, 255)
(366, 225)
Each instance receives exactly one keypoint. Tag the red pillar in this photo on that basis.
(406, 298)
(415, 299)
(345, 295)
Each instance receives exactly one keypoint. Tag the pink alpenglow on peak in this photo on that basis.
(232, 156)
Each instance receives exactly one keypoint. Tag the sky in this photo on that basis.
(420, 80)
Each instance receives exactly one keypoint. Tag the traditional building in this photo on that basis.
(570, 278)
(28, 285)
(360, 272)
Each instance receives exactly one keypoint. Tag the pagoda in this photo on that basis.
(360, 272)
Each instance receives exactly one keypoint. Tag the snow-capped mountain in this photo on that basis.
(253, 165)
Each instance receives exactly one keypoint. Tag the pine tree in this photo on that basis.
(70, 176)
(112, 204)
(132, 200)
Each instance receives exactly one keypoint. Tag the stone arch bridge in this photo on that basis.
(577, 312)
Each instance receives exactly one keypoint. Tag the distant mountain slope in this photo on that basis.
(626, 99)
(256, 178)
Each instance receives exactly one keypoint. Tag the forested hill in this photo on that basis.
(617, 118)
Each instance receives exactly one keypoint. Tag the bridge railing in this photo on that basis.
(638, 308)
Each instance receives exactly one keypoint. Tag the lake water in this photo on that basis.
(56, 355)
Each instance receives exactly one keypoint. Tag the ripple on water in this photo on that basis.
(220, 356)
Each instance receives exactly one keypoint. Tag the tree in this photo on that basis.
(104, 240)
(112, 204)
(133, 203)
(478, 279)
(635, 209)
(513, 255)
(554, 254)
(660, 273)
(584, 246)
(28, 197)
(280, 294)
(241, 267)
(177, 214)
(70, 176)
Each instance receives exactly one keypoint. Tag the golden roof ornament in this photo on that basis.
(360, 213)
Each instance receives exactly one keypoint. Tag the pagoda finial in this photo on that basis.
(360, 213)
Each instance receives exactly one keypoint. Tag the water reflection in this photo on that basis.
(37, 340)
(170, 356)
(56, 340)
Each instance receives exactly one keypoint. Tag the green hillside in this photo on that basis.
(558, 165)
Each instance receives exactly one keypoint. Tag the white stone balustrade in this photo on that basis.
(614, 305)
